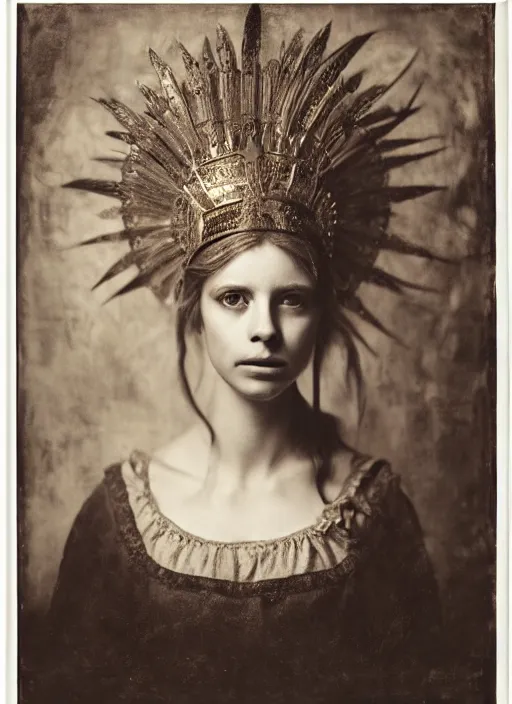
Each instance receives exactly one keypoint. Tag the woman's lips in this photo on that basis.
(264, 368)
(265, 363)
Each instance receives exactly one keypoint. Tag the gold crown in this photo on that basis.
(293, 147)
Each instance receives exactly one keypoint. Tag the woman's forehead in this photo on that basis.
(263, 266)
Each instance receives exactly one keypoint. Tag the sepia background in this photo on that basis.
(96, 381)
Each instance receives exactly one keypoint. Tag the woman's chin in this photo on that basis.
(262, 390)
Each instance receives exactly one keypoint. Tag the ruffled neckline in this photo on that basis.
(328, 543)
(330, 514)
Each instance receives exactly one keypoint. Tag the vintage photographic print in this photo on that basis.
(256, 354)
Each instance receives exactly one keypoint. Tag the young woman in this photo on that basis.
(257, 557)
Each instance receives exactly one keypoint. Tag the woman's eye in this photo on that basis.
(233, 300)
(293, 300)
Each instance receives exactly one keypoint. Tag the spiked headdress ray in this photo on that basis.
(295, 146)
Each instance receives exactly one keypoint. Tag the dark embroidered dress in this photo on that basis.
(145, 612)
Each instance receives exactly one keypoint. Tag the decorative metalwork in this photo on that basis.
(292, 147)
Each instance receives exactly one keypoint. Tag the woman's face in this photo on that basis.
(260, 319)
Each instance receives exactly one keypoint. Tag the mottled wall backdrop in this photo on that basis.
(97, 381)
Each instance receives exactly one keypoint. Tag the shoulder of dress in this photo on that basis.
(134, 466)
(120, 476)
(364, 494)
(95, 517)
(369, 481)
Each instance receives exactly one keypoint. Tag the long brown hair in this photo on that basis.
(217, 255)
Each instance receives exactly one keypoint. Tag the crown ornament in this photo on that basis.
(295, 146)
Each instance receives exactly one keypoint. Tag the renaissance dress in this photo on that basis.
(345, 610)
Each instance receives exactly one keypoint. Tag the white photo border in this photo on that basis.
(8, 351)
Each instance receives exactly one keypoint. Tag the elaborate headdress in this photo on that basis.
(291, 147)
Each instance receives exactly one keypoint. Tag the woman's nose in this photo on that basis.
(263, 326)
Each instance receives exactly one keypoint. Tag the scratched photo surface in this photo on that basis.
(97, 381)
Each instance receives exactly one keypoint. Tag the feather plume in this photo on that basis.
(162, 124)
(288, 64)
(366, 100)
(399, 194)
(381, 278)
(349, 327)
(211, 73)
(196, 83)
(251, 44)
(309, 135)
(325, 84)
(314, 51)
(126, 261)
(397, 244)
(158, 107)
(394, 162)
(229, 88)
(355, 305)
(116, 162)
(388, 145)
(113, 189)
(119, 236)
(167, 265)
(177, 104)
(307, 65)
(121, 136)
(269, 116)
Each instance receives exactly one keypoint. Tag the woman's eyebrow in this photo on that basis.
(230, 287)
(292, 286)
(296, 287)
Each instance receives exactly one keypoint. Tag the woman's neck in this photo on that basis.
(251, 438)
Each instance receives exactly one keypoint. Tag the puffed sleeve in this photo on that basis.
(87, 624)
